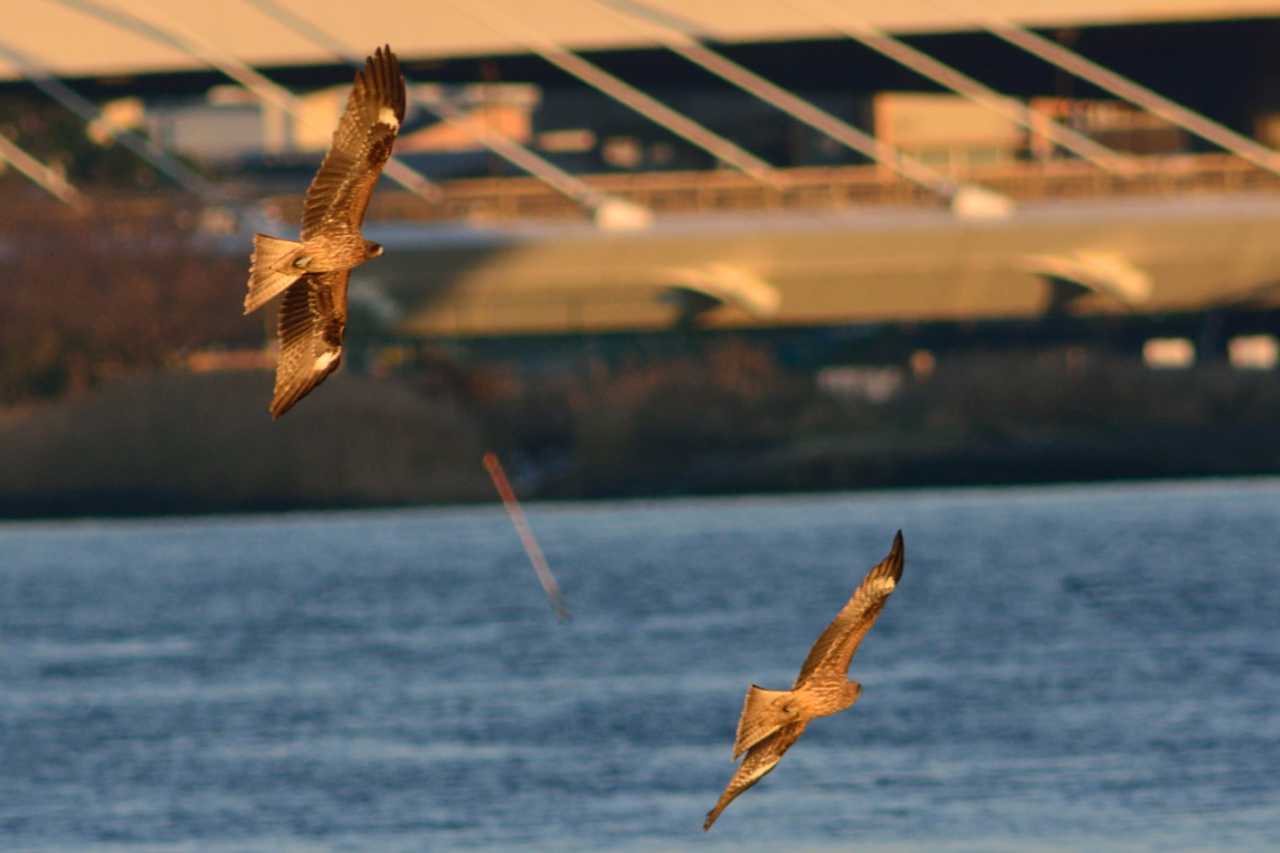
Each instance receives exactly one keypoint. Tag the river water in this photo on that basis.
(1083, 667)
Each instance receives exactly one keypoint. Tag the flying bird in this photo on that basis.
(772, 720)
(312, 273)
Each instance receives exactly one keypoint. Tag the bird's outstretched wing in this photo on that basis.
(339, 194)
(831, 654)
(313, 315)
(761, 758)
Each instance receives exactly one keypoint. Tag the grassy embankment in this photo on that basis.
(734, 422)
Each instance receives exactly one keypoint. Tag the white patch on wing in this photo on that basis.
(882, 586)
(325, 359)
(387, 116)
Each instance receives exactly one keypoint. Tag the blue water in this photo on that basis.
(1060, 668)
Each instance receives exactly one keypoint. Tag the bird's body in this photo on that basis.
(312, 272)
(339, 250)
(772, 720)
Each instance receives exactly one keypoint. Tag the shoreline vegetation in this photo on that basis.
(176, 442)
(105, 408)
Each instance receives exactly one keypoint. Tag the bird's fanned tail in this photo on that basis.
(763, 713)
(271, 270)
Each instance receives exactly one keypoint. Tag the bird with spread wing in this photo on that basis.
(312, 273)
(772, 720)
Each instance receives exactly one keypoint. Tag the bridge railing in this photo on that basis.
(481, 200)
(505, 199)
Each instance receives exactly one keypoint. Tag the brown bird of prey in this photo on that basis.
(313, 273)
(772, 720)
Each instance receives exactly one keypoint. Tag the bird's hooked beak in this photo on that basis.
(374, 249)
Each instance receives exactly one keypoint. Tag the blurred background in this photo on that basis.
(644, 248)
(930, 259)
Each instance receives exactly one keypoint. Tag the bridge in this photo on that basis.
(828, 246)
(1054, 214)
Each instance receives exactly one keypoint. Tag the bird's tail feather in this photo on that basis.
(763, 713)
(271, 270)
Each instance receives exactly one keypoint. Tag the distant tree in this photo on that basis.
(86, 298)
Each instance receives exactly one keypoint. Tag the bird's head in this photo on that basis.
(852, 690)
(372, 249)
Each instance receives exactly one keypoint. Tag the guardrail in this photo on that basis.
(482, 200)
(505, 199)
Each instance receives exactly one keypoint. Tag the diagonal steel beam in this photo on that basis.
(40, 174)
(262, 87)
(864, 32)
(609, 212)
(593, 75)
(1122, 87)
(683, 39)
(46, 82)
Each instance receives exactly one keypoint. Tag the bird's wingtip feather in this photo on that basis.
(894, 559)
